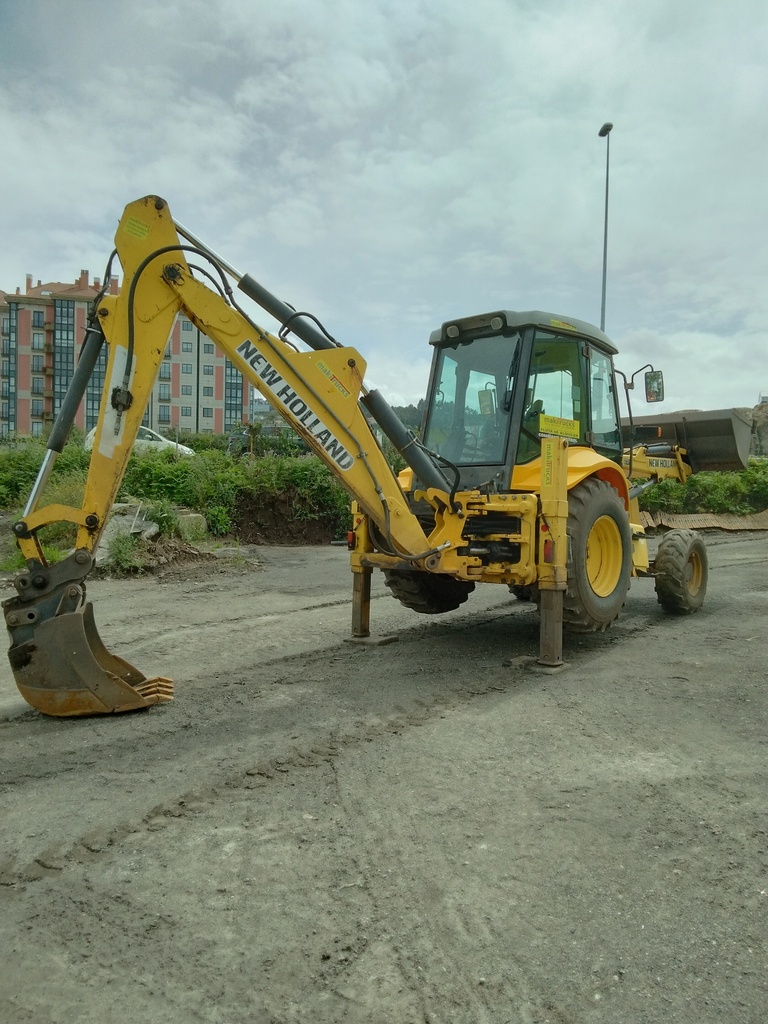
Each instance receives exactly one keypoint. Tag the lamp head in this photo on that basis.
(605, 129)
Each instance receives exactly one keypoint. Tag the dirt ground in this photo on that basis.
(319, 832)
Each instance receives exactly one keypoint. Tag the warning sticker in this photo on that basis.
(553, 426)
(138, 228)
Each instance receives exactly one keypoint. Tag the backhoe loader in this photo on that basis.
(520, 476)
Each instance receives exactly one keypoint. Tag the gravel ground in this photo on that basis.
(314, 831)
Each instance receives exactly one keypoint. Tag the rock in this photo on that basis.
(125, 518)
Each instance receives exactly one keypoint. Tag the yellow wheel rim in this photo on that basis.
(605, 556)
(694, 573)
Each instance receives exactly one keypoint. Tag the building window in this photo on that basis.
(37, 318)
(207, 392)
(38, 342)
(207, 369)
(4, 410)
(186, 346)
(6, 325)
(95, 389)
(186, 389)
(164, 414)
(167, 351)
(38, 385)
(164, 392)
(165, 371)
(186, 325)
(5, 388)
(233, 395)
(36, 429)
(38, 364)
(36, 407)
(5, 368)
(186, 410)
(208, 348)
(63, 349)
(186, 367)
(207, 412)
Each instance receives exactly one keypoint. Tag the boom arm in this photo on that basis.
(317, 392)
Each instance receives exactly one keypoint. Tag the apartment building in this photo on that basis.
(198, 390)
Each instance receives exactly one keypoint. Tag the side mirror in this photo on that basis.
(654, 386)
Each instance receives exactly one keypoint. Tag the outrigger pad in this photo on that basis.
(66, 670)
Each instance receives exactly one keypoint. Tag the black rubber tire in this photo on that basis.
(427, 593)
(681, 568)
(599, 557)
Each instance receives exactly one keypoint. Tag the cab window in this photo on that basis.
(602, 393)
(469, 410)
(555, 387)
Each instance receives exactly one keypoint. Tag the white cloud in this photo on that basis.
(394, 163)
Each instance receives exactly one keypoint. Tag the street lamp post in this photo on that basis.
(605, 133)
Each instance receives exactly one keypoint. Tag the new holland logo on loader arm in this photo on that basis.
(521, 477)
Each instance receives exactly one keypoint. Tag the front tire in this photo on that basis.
(599, 557)
(681, 568)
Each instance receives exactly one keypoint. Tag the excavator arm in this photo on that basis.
(58, 660)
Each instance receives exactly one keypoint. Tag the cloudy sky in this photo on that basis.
(391, 164)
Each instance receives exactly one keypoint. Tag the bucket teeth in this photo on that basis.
(156, 691)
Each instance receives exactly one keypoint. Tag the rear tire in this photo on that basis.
(427, 593)
(599, 557)
(681, 568)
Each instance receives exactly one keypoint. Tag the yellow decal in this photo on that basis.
(333, 378)
(563, 324)
(553, 426)
(137, 228)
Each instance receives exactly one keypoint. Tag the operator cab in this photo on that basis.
(501, 380)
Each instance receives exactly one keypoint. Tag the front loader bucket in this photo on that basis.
(717, 440)
(64, 669)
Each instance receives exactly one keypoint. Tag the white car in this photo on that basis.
(146, 441)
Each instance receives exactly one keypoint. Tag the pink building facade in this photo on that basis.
(41, 329)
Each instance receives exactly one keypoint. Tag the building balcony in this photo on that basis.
(47, 370)
(48, 325)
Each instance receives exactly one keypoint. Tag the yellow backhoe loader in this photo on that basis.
(520, 477)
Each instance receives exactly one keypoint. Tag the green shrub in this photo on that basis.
(665, 496)
(124, 552)
(15, 562)
(214, 480)
(155, 475)
(19, 465)
(74, 458)
(205, 442)
(163, 512)
(312, 490)
(739, 493)
(218, 519)
(755, 478)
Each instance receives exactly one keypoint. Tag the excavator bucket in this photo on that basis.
(60, 663)
(717, 440)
